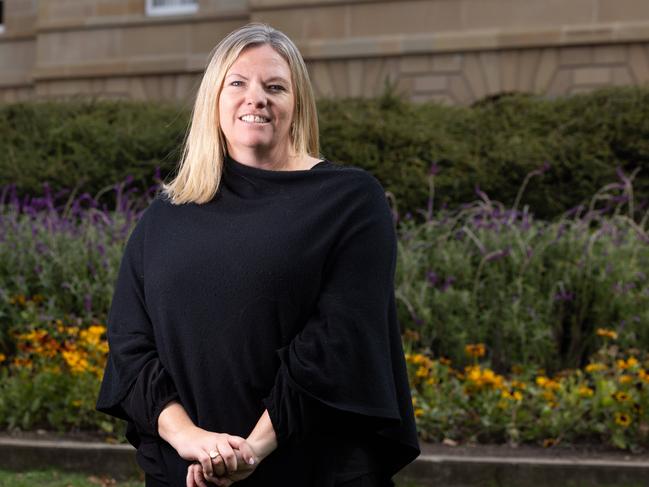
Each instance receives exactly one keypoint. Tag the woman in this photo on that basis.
(255, 298)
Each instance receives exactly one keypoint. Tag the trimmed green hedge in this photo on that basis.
(581, 140)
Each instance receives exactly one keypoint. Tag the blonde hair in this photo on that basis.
(204, 148)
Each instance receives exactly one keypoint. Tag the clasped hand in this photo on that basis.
(235, 461)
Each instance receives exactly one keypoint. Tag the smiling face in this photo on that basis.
(256, 105)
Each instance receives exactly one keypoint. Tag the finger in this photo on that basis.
(191, 472)
(223, 482)
(206, 464)
(228, 455)
(248, 454)
(198, 476)
(218, 466)
(246, 451)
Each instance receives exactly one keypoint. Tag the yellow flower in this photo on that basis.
(546, 383)
(474, 374)
(627, 364)
(585, 391)
(549, 442)
(621, 396)
(93, 334)
(606, 333)
(75, 360)
(475, 350)
(595, 367)
(23, 362)
(432, 381)
(33, 336)
(418, 412)
(445, 361)
(422, 371)
(3, 357)
(644, 376)
(548, 396)
(412, 335)
(512, 396)
(519, 384)
(414, 401)
(486, 377)
(552, 385)
(18, 299)
(622, 419)
(625, 379)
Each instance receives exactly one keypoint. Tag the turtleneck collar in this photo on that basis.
(252, 182)
(241, 168)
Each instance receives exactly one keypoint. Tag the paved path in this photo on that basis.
(438, 465)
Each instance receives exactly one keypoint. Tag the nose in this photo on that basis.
(256, 96)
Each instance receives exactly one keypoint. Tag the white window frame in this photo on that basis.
(153, 10)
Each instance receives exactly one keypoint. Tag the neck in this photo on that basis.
(276, 159)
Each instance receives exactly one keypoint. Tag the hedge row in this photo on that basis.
(580, 140)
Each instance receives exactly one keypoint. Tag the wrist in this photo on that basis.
(261, 446)
(263, 439)
(174, 425)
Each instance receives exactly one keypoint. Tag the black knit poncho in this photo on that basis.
(277, 294)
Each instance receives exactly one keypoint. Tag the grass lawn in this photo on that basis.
(54, 478)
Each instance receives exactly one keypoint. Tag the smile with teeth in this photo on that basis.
(254, 119)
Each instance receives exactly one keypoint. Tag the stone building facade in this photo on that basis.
(456, 51)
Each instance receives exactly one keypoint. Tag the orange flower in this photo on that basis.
(475, 350)
(586, 391)
(627, 364)
(606, 333)
(625, 379)
(595, 367)
(549, 442)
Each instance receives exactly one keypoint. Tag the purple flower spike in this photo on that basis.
(433, 278)
(498, 255)
(448, 282)
(623, 177)
(564, 296)
(87, 303)
(434, 169)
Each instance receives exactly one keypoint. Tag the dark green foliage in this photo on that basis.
(492, 145)
(89, 145)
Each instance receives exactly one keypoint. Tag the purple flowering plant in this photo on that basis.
(533, 291)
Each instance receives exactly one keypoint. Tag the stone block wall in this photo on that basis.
(454, 51)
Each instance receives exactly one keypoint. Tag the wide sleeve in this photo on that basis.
(135, 386)
(346, 368)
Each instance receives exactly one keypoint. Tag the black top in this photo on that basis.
(277, 294)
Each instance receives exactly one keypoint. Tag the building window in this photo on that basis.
(2, 16)
(171, 7)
